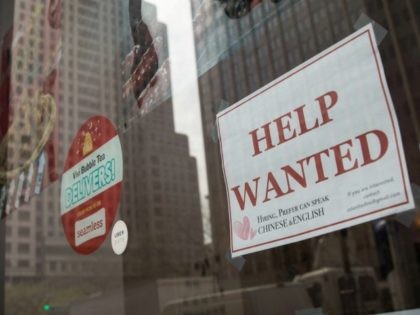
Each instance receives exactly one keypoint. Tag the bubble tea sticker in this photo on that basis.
(91, 185)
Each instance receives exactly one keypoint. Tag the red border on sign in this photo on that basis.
(381, 79)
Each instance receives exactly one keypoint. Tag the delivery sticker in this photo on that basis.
(91, 185)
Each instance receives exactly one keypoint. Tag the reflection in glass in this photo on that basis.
(65, 61)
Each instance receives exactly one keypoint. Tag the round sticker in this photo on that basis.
(91, 184)
(119, 238)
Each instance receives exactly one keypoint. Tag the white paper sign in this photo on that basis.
(315, 151)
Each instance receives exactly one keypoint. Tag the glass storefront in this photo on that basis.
(210, 157)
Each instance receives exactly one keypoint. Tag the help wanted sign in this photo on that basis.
(315, 151)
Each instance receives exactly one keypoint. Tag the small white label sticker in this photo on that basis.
(89, 227)
(119, 237)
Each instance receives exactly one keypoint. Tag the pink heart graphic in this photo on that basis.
(253, 233)
(243, 229)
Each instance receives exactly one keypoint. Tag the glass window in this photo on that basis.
(209, 157)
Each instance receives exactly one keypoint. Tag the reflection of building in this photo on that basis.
(34, 56)
(87, 86)
(401, 69)
(195, 295)
(161, 202)
(322, 286)
(397, 50)
(235, 57)
(161, 296)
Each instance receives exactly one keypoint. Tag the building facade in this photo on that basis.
(237, 55)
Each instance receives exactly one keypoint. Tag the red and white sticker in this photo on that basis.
(91, 184)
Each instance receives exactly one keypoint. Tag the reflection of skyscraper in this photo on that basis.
(88, 85)
(235, 57)
(33, 57)
(160, 199)
(401, 19)
(161, 202)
